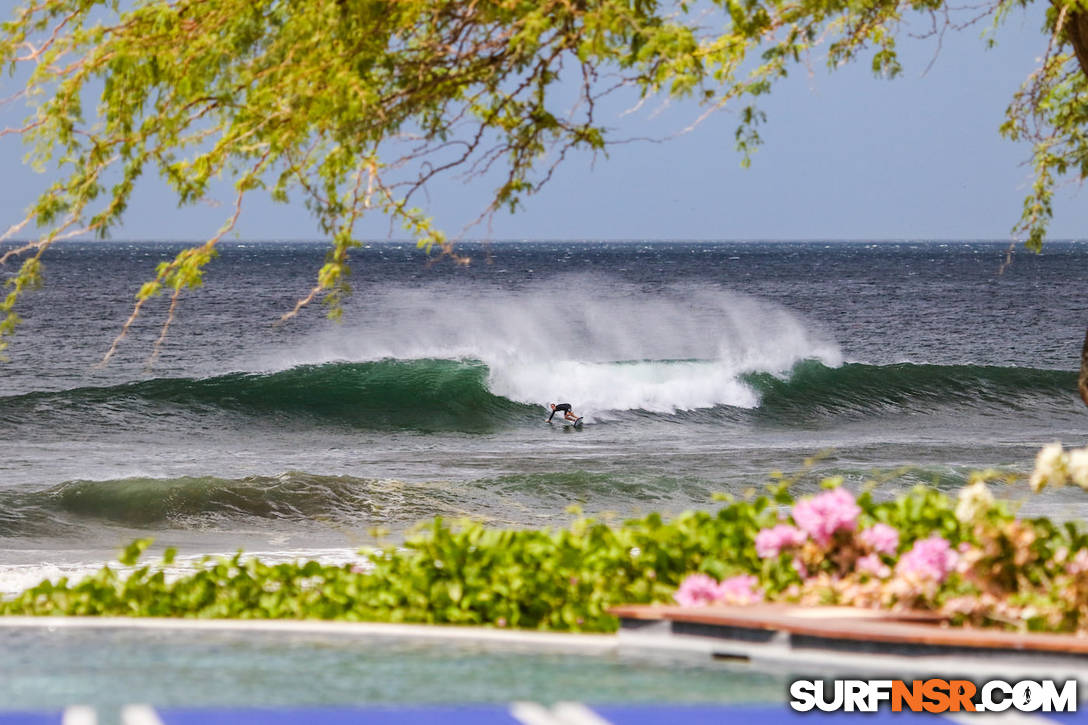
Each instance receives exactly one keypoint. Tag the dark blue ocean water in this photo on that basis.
(699, 368)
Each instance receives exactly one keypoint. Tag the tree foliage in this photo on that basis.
(353, 106)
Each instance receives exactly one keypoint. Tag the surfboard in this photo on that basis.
(563, 421)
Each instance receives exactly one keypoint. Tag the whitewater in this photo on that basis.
(607, 345)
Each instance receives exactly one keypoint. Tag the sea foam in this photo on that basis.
(597, 343)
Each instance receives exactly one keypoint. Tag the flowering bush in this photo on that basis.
(928, 560)
(770, 542)
(740, 589)
(969, 559)
(880, 539)
(698, 589)
(821, 517)
(873, 565)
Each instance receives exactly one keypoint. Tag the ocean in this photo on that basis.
(701, 368)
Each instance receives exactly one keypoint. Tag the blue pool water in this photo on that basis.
(43, 669)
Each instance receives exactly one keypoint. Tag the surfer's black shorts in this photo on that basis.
(562, 406)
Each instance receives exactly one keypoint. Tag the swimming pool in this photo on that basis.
(47, 667)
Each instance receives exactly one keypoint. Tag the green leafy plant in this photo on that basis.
(1026, 573)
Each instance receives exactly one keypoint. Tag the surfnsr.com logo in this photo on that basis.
(933, 695)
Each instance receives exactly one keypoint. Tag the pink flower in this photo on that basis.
(880, 538)
(800, 568)
(871, 564)
(696, 590)
(1079, 565)
(821, 516)
(931, 558)
(740, 589)
(769, 542)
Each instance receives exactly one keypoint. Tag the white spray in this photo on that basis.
(598, 344)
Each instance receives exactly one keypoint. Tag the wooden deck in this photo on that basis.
(802, 637)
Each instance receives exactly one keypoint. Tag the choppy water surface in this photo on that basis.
(699, 367)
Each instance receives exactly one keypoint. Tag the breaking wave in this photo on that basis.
(468, 395)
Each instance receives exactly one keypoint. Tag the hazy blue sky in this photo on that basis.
(847, 156)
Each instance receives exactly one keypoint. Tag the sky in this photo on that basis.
(846, 156)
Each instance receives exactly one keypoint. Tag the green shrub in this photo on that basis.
(566, 579)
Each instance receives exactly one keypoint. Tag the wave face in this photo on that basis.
(418, 394)
(299, 499)
(814, 391)
(201, 501)
(435, 395)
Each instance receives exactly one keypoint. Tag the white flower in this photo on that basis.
(974, 501)
(1049, 468)
(1077, 465)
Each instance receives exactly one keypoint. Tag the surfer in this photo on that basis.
(568, 414)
